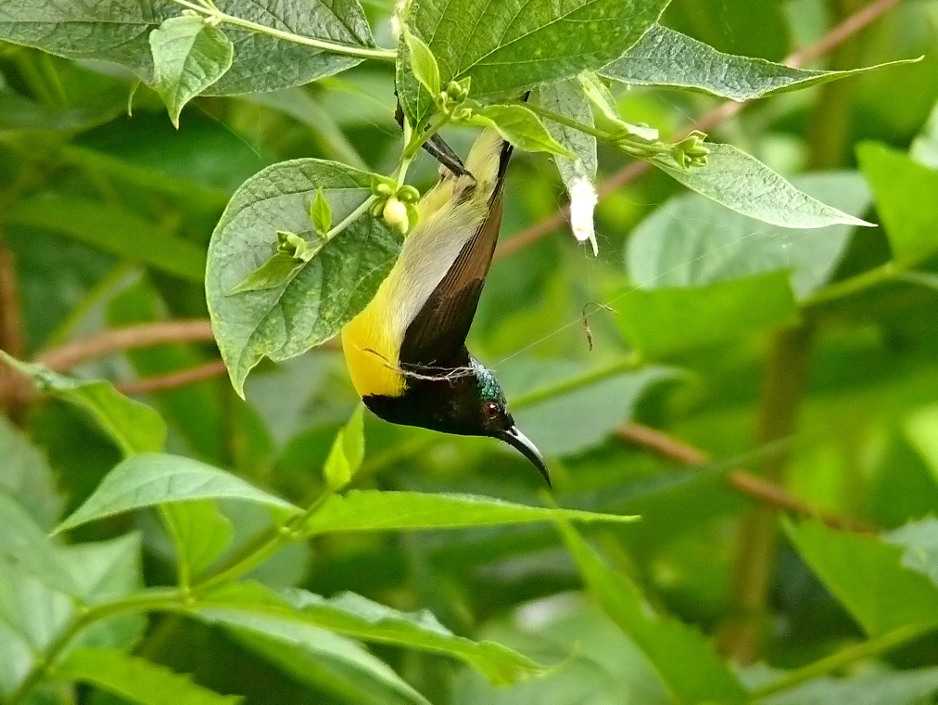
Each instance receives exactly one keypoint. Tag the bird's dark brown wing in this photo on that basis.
(436, 337)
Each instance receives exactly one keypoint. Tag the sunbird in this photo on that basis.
(406, 351)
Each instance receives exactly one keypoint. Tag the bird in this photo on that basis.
(406, 350)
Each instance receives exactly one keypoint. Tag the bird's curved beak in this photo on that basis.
(513, 437)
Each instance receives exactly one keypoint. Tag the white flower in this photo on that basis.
(582, 203)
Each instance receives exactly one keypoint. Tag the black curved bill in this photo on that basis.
(445, 155)
(516, 439)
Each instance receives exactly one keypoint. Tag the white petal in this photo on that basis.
(583, 200)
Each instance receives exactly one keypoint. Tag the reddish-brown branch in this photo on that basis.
(119, 339)
(14, 389)
(745, 482)
(174, 380)
(838, 35)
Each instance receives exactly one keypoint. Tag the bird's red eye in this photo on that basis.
(491, 409)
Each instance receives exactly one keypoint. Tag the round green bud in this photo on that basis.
(395, 214)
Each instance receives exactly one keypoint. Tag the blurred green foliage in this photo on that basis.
(806, 358)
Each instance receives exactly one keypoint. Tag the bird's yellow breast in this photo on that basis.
(371, 344)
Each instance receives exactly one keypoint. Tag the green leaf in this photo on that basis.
(152, 478)
(329, 662)
(520, 126)
(27, 546)
(135, 427)
(199, 531)
(369, 510)
(189, 55)
(509, 46)
(256, 608)
(568, 98)
(692, 241)
(324, 295)
(422, 62)
(26, 477)
(135, 679)
(865, 574)
(112, 229)
(903, 191)
(348, 451)
(565, 415)
(919, 540)
(320, 213)
(118, 31)
(276, 272)
(687, 663)
(665, 57)
(742, 183)
(877, 687)
(664, 321)
(924, 148)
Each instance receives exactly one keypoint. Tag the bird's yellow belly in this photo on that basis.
(371, 348)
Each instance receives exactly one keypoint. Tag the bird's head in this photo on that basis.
(465, 400)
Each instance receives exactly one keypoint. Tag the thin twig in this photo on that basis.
(174, 380)
(837, 36)
(116, 340)
(15, 390)
(743, 481)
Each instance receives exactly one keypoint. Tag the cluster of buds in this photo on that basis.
(691, 151)
(452, 100)
(395, 204)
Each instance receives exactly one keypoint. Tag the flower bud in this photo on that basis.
(395, 214)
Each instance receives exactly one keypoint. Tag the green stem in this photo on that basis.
(855, 285)
(866, 649)
(346, 49)
(582, 380)
(350, 218)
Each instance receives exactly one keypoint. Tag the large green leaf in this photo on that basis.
(118, 31)
(189, 55)
(865, 573)
(877, 687)
(135, 427)
(323, 295)
(742, 183)
(150, 479)
(200, 532)
(256, 608)
(327, 661)
(665, 57)
(903, 191)
(506, 47)
(112, 229)
(664, 321)
(563, 411)
(135, 679)
(692, 241)
(687, 663)
(369, 510)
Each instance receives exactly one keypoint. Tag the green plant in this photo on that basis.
(753, 319)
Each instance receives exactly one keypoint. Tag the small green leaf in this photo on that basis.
(367, 510)
(665, 57)
(686, 662)
(875, 686)
(150, 479)
(904, 194)
(520, 126)
(189, 55)
(199, 531)
(604, 103)
(26, 476)
(316, 301)
(135, 427)
(135, 679)
(256, 608)
(320, 213)
(276, 272)
(744, 184)
(662, 322)
(919, 541)
(422, 62)
(865, 573)
(348, 451)
(568, 98)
